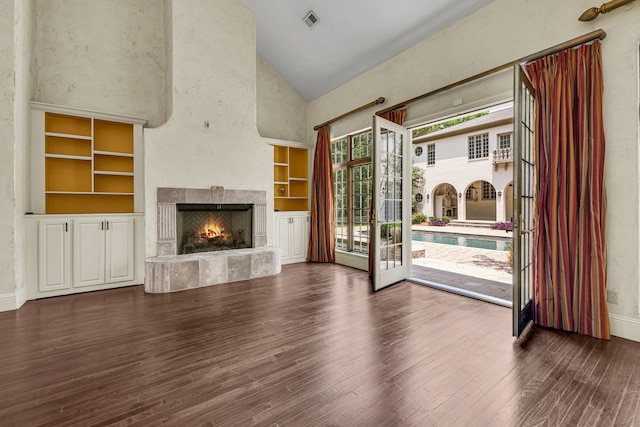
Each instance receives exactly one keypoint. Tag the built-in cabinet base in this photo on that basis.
(292, 236)
(80, 253)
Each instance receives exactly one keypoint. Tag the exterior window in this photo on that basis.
(431, 154)
(504, 141)
(418, 151)
(469, 193)
(488, 192)
(479, 146)
(419, 198)
(352, 176)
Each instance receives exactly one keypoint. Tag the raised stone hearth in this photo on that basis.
(179, 272)
(169, 272)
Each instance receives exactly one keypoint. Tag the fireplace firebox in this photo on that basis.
(204, 227)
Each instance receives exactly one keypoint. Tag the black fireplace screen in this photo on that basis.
(207, 227)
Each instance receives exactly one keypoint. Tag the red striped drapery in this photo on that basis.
(322, 232)
(569, 254)
(397, 117)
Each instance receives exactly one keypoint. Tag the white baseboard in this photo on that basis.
(625, 327)
(8, 302)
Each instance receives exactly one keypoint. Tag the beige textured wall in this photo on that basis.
(503, 31)
(7, 151)
(103, 55)
(213, 82)
(282, 113)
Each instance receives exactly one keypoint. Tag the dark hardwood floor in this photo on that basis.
(311, 346)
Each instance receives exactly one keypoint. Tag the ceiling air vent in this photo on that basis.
(311, 19)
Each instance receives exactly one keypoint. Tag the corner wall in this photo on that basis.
(211, 138)
(503, 31)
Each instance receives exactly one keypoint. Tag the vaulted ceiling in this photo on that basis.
(350, 37)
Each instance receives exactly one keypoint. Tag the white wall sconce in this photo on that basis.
(428, 196)
(460, 195)
(499, 193)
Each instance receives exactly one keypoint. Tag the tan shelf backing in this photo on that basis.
(298, 189)
(291, 204)
(280, 154)
(280, 190)
(113, 163)
(68, 175)
(113, 136)
(67, 146)
(280, 173)
(290, 177)
(71, 125)
(88, 203)
(113, 184)
(298, 163)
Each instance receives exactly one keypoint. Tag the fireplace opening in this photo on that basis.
(205, 227)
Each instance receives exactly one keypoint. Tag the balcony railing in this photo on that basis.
(502, 155)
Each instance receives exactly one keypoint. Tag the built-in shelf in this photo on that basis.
(290, 178)
(85, 162)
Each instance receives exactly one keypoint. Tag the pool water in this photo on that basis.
(494, 244)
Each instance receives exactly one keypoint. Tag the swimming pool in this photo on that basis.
(495, 244)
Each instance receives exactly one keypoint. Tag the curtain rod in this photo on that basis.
(598, 34)
(357, 110)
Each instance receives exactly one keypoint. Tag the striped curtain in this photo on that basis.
(397, 117)
(322, 232)
(569, 254)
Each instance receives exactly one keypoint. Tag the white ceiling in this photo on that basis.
(351, 37)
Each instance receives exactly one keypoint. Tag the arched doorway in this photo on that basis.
(445, 201)
(480, 201)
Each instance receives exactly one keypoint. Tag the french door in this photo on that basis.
(391, 221)
(523, 182)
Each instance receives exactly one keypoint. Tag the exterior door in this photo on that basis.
(523, 182)
(391, 226)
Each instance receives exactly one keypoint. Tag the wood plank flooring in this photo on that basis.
(311, 346)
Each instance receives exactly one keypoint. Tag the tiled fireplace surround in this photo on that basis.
(169, 272)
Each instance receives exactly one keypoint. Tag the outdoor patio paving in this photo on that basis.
(478, 270)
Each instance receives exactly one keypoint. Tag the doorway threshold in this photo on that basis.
(473, 287)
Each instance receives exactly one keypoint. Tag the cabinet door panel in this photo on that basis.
(298, 226)
(282, 236)
(119, 249)
(54, 247)
(88, 252)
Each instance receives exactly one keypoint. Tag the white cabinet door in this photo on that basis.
(283, 236)
(54, 252)
(299, 236)
(292, 236)
(119, 249)
(88, 252)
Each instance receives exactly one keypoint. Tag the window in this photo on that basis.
(431, 154)
(488, 192)
(418, 151)
(469, 193)
(419, 198)
(352, 176)
(504, 140)
(479, 146)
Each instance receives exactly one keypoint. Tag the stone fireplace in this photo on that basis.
(210, 236)
(208, 227)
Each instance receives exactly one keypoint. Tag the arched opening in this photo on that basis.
(445, 202)
(480, 201)
(507, 195)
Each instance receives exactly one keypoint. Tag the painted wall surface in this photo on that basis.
(213, 82)
(103, 55)
(7, 148)
(25, 26)
(454, 167)
(281, 111)
(503, 31)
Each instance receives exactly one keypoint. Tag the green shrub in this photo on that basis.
(446, 219)
(418, 218)
(433, 218)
